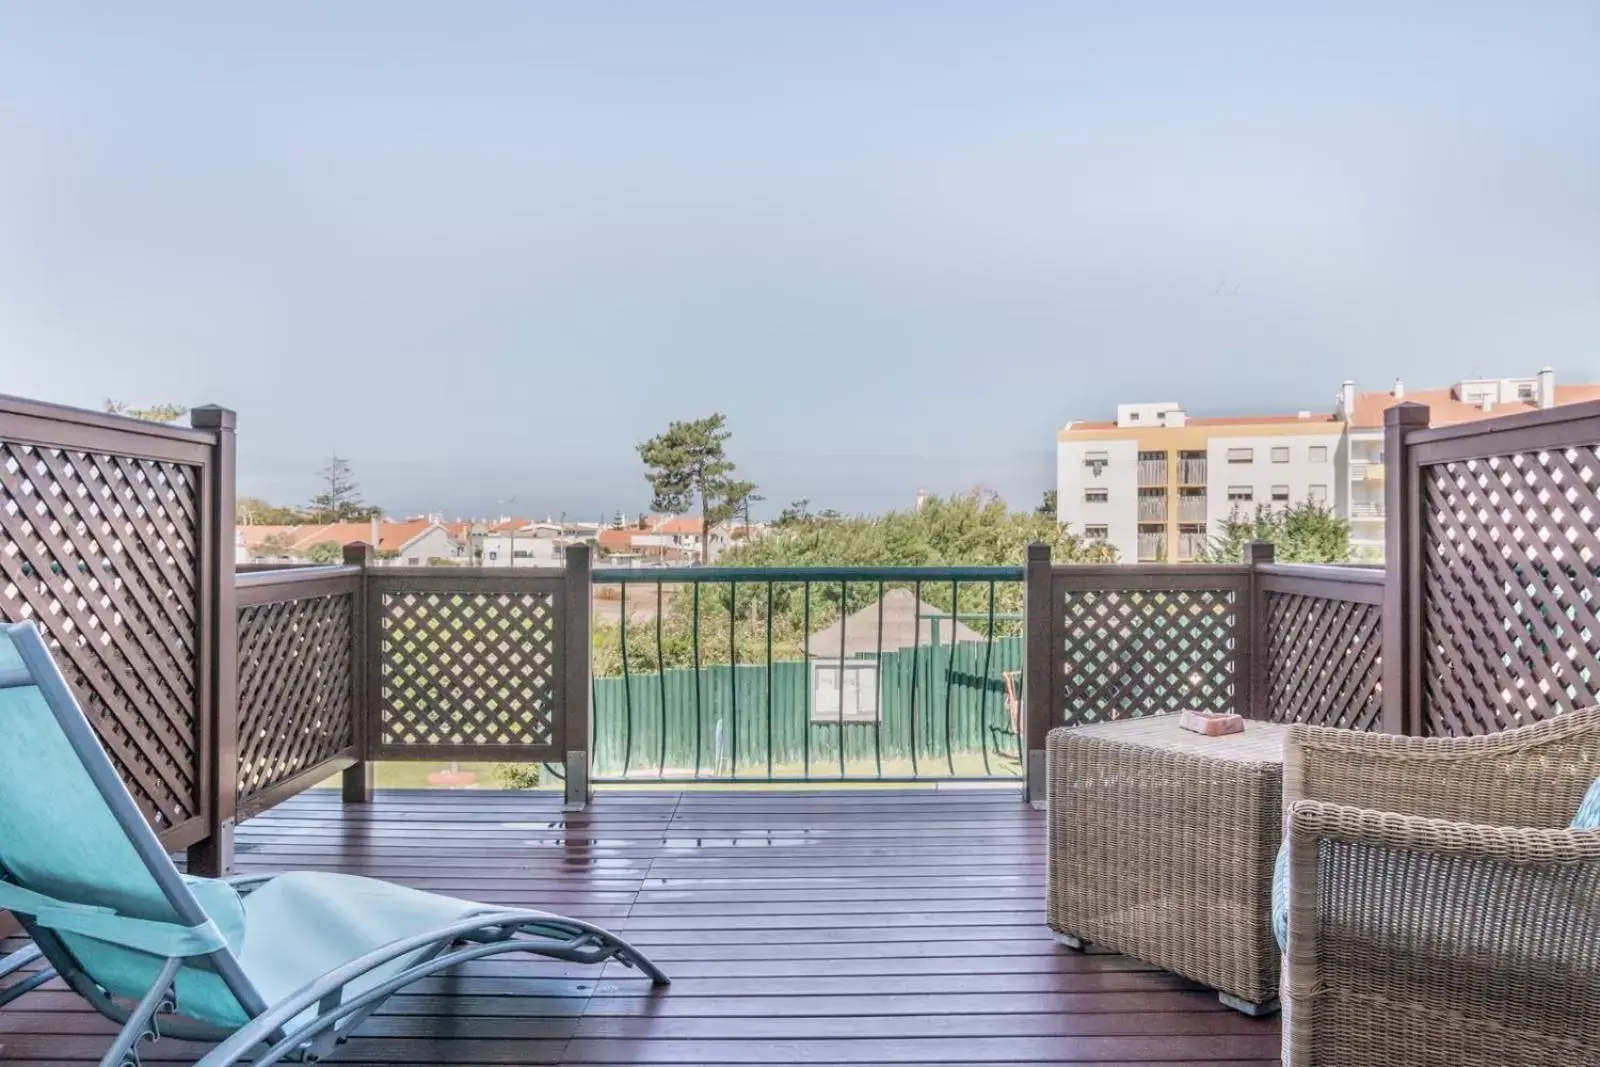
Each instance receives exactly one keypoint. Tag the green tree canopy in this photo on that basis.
(1302, 533)
(254, 511)
(973, 529)
(325, 552)
(340, 498)
(689, 463)
(970, 529)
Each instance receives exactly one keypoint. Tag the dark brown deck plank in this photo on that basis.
(821, 928)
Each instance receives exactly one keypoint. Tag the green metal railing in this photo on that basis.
(807, 674)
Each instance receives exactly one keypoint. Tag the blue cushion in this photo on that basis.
(1588, 817)
(1280, 897)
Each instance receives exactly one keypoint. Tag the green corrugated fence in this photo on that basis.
(942, 714)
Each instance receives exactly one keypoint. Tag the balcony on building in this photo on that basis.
(1191, 543)
(1152, 505)
(1152, 544)
(1152, 468)
(1192, 468)
(1192, 505)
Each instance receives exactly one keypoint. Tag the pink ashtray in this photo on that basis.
(1211, 723)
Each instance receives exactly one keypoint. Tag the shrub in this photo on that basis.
(517, 775)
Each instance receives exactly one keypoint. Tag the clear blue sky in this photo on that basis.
(483, 249)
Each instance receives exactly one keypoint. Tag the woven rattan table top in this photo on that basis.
(1261, 742)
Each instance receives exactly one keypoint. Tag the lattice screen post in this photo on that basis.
(577, 684)
(1402, 590)
(357, 778)
(1253, 628)
(219, 697)
(1040, 685)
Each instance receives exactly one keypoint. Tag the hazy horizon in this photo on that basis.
(483, 252)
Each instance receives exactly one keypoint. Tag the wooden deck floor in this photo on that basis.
(822, 928)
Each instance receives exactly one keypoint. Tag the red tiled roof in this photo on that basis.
(1445, 410)
(1206, 420)
(392, 536)
(461, 528)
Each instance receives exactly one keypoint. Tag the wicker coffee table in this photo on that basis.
(1161, 845)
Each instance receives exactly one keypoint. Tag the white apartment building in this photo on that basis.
(1361, 469)
(1155, 483)
(538, 544)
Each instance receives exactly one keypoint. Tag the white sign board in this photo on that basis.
(844, 690)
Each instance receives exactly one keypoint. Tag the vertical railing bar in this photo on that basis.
(1022, 707)
(916, 642)
(357, 781)
(805, 733)
(661, 681)
(877, 726)
(983, 700)
(769, 679)
(950, 678)
(1043, 639)
(627, 686)
(844, 624)
(733, 679)
(699, 713)
(577, 705)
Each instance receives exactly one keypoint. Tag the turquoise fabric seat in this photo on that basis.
(302, 925)
(293, 961)
(1280, 897)
(1588, 817)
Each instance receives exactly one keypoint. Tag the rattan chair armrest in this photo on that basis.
(1530, 776)
(1312, 821)
(1410, 932)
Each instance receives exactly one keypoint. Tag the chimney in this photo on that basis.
(1303, 414)
(1547, 388)
(377, 532)
(1399, 389)
(1347, 398)
(1486, 402)
(922, 498)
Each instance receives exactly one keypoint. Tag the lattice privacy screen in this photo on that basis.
(1324, 661)
(295, 688)
(467, 669)
(1130, 653)
(1509, 582)
(102, 551)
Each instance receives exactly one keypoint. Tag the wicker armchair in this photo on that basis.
(1441, 910)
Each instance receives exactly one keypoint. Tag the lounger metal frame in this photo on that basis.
(157, 1013)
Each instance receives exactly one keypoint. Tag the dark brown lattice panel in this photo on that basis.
(467, 669)
(101, 552)
(1324, 661)
(1509, 583)
(1130, 653)
(295, 708)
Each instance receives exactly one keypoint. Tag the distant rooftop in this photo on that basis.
(1468, 400)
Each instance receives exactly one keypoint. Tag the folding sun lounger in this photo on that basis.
(275, 967)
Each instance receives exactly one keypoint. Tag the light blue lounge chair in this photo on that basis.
(275, 967)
